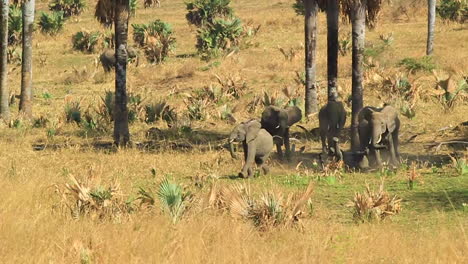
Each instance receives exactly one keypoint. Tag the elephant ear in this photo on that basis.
(283, 119)
(253, 127)
(391, 125)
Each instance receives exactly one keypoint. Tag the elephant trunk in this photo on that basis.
(376, 140)
(231, 148)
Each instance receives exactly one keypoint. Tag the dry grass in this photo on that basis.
(431, 229)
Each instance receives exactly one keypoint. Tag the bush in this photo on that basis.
(219, 37)
(51, 23)
(15, 25)
(202, 12)
(106, 111)
(453, 10)
(158, 110)
(68, 7)
(298, 7)
(86, 41)
(418, 64)
(73, 112)
(156, 38)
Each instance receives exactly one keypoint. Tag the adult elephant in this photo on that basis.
(107, 58)
(277, 122)
(379, 129)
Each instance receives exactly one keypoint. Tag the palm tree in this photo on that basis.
(431, 13)
(118, 12)
(333, 10)
(361, 12)
(26, 66)
(4, 107)
(311, 10)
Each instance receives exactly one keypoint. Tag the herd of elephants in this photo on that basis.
(378, 130)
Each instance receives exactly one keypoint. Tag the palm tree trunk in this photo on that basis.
(311, 10)
(332, 47)
(431, 14)
(26, 67)
(121, 132)
(4, 93)
(358, 20)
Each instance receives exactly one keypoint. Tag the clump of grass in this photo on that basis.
(450, 90)
(196, 108)
(83, 199)
(413, 176)
(460, 165)
(156, 39)
(374, 205)
(51, 23)
(413, 65)
(73, 112)
(68, 7)
(159, 110)
(15, 25)
(453, 10)
(219, 38)
(40, 122)
(232, 85)
(272, 209)
(86, 41)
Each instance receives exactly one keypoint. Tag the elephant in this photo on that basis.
(353, 160)
(332, 118)
(277, 122)
(107, 58)
(256, 142)
(378, 129)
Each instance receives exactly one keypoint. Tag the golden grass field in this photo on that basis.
(35, 228)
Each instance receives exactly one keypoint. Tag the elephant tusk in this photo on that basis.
(277, 127)
(380, 139)
(231, 141)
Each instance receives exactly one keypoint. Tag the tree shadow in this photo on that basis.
(450, 200)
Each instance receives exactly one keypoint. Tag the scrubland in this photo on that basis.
(37, 162)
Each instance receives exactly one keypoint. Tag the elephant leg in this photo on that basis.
(278, 144)
(323, 138)
(391, 146)
(378, 159)
(250, 159)
(396, 145)
(261, 162)
(286, 145)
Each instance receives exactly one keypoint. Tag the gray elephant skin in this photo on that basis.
(257, 144)
(332, 119)
(353, 160)
(379, 129)
(277, 122)
(108, 59)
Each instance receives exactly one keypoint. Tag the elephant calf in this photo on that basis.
(277, 122)
(378, 129)
(108, 59)
(332, 118)
(256, 142)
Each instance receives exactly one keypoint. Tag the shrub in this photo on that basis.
(372, 205)
(133, 7)
(156, 38)
(173, 199)
(51, 23)
(219, 37)
(86, 41)
(418, 64)
(73, 112)
(298, 7)
(453, 10)
(106, 111)
(15, 25)
(68, 7)
(202, 12)
(159, 110)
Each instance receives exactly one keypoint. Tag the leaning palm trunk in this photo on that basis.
(332, 47)
(121, 132)
(4, 108)
(26, 67)
(358, 20)
(311, 10)
(431, 6)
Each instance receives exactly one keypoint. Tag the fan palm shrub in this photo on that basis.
(156, 39)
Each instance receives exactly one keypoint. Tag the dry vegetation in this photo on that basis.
(77, 200)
